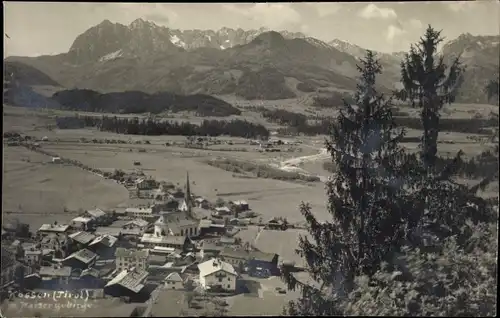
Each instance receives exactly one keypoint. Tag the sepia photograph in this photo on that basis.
(250, 159)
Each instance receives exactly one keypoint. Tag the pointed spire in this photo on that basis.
(187, 197)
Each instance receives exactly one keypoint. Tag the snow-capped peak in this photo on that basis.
(111, 56)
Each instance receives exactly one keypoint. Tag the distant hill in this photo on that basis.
(133, 102)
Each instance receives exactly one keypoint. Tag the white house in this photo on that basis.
(215, 274)
(174, 281)
(128, 258)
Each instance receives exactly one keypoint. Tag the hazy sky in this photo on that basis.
(37, 28)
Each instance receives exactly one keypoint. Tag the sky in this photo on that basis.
(39, 28)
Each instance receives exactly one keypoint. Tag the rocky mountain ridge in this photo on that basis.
(253, 64)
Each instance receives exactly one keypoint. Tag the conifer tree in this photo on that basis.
(428, 81)
(366, 201)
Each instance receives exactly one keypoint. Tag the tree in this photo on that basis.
(430, 82)
(451, 282)
(491, 89)
(219, 202)
(365, 197)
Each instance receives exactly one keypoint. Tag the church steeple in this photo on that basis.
(187, 197)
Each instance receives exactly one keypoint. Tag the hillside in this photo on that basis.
(134, 102)
(254, 64)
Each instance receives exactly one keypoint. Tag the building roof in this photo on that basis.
(51, 271)
(283, 243)
(215, 265)
(132, 280)
(82, 237)
(205, 223)
(155, 258)
(96, 213)
(91, 272)
(81, 219)
(174, 240)
(105, 239)
(227, 240)
(125, 252)
(138, 222)
(223, 209)
(54, 228)
(239, 202)
(83, 255)
(174, 277)
(8, 258)
(209, 246)
(139, 210)
(106, 230)
(235, 253)
(200, 200)
(134, 231)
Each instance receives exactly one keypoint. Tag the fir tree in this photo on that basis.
(365, 201)
(428, 81)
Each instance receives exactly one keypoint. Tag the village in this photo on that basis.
(180, 245)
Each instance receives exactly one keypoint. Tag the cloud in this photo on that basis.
(372, 11)
(393, 31)
(324, 9)
(415, 23)
(155, 12)
(459, 6)
(271, 15)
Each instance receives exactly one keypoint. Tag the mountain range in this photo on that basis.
(251, 64)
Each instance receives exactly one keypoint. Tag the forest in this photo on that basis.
(152, 127)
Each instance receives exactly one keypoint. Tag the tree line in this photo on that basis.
(152, 127)
(403, 238)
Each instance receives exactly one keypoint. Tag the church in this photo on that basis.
(179, 223)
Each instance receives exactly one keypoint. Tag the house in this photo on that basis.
(33, 256)
(157, 259)
(240, 205)
(216, 274)
(236, 257)
(169, 205)
(81, 259)
(202, 203)
(91, 278)
(145, 213)
(46, 229)
(82, 223)
(81, 239)
(259, 261)
(56, 160)
(178, 242)
(223, 210)
(128, 283)
(55, 277)
(59, 243)
(277, 224)
(145, 184)
(174, 281)
(128, 258)
(99, 216)
(210, 250)
(104, 246)
(8, 268)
